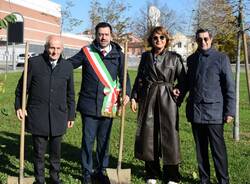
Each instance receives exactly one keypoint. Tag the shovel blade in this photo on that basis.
(121, 176)
(15, 180)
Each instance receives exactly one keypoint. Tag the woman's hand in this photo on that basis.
(133, 105)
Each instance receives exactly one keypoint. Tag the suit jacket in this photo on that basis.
(211, 87)
(51, 96)
(91, 94)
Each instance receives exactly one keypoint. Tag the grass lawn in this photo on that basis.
(238, 152)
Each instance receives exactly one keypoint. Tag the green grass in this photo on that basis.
(238, 152)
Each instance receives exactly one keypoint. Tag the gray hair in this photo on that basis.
(51, 37)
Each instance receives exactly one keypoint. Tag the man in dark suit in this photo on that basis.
(210, 104)
(50, 106)
(102, 75)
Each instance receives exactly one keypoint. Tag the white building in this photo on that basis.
(183, 45)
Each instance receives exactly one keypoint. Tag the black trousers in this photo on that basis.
(170, 172)
(39, 148)
(205, 134)
(99, 129)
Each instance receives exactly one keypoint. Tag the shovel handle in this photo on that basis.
(22, 133)
(123, 106)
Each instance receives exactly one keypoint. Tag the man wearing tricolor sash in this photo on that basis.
(99, 98)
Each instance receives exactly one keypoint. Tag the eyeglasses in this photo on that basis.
(155, 38)
(206, 39)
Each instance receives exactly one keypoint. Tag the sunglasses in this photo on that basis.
(155, 38)
(201, 39)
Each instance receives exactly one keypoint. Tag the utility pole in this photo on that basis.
(236, 127)
(6, 57)
(242, 28)
(241, 34)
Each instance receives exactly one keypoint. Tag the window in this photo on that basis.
(179, 44)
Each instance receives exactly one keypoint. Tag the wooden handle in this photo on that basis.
(22, 133)
(123, 106)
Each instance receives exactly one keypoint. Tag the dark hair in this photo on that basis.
(201, 30)
(159, 30)
(102, 25)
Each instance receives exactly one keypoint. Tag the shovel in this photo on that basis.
(118, 175)
(21, 179)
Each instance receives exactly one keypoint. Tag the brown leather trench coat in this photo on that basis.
(152, 89)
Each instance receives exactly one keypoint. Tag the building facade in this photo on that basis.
(135, 46)
(183, 45)
(41, 18)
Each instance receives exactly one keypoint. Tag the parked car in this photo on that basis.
(21, 58)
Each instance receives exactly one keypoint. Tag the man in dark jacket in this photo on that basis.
(210, 104)
(50, 106)
(102, 75)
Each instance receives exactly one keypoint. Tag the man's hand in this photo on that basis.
(133, 105)
(126, 100)
(228, 119)
(70, 124)
(20, 115)
(176, 92)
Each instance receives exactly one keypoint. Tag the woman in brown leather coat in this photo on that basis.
(157, 90)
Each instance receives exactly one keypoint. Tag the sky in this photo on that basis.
(81, 8)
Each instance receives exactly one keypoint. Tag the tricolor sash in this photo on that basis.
(111, 88)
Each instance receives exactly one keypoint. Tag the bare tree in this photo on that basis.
(114, 13)
(218, 16)
(246, 9)
(142, 23)
(94, 14)
(68, 22)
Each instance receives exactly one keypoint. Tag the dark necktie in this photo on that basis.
(103, 52)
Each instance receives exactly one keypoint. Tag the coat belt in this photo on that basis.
(160, 83)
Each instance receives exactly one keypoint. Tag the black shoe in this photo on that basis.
(53, 181)
(102, 177)
(35, 182)
(87, 180)
(56, 182)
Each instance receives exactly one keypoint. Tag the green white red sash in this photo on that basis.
(111, 88)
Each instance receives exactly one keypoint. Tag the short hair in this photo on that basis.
(159, 30)
(102, 25)
(48, 40)
(201, 30)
